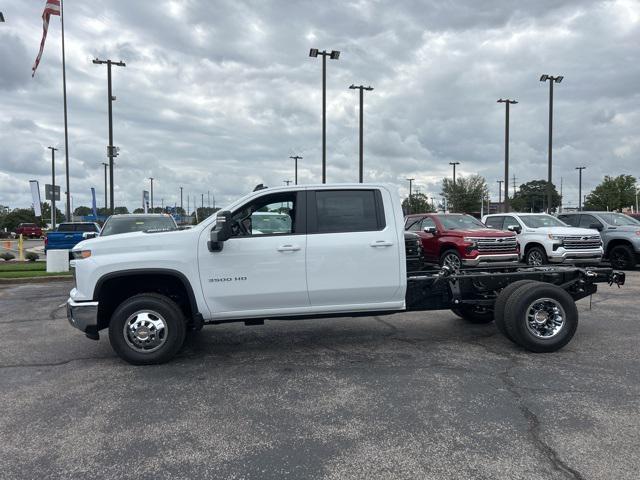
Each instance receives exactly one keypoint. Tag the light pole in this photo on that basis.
(410, 180)
(105, 165)
(208, 199)
(181, 209)
(296, 158)
(333, 55)
(552, 80)
(53, 187)
(580, 187)
(433, 205)
(111, 151)
(362, 88)
(500, 182)
(454, 184)
(151, 178)
(507, 102)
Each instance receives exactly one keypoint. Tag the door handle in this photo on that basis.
(381, 243)
(288, 248)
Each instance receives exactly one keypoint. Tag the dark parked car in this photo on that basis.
(155, 222)
(415, 254)
(30, 230)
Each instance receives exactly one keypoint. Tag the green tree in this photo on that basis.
(19, 215)
(614, 193)
(82, 211)
(532, 196)
(419, 203)
(467, 195)
(121, 210)
(46, 215)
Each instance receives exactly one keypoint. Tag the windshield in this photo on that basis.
(538, 221)
(270, 222)
(116, 225)
(618, 219)
(460, 222)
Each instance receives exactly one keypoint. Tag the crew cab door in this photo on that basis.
(355, 250)
(261, 268)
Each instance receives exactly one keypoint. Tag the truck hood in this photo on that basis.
(134, 241)
(479, 232)
(562, 231)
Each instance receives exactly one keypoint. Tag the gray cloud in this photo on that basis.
(217, 95)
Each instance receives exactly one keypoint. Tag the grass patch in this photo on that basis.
(23, 267)
(31, 273)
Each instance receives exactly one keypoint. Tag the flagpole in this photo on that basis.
(66, 133)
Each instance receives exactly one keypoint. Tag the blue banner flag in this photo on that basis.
(93, 202)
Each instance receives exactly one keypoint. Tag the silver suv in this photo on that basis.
(620, 234)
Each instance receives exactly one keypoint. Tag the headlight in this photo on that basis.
(556, 237)
(471, 241)
(80, 254)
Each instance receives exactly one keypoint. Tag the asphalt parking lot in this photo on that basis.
(421, 395)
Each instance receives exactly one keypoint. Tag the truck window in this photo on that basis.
(267, 215)
(572, 220)
(85, 227)
(510, 221)
(587, 220)
(495, 222)
(415, 226)
(348, 211)
(66, 227)
(428, 222)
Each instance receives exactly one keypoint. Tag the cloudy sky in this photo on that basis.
(216, 95)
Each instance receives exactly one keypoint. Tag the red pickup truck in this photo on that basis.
(458, 240)
(30, 230)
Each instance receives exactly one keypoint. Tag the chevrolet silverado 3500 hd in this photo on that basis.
(341, 254)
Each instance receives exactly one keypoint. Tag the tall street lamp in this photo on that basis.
(362, 88)
(454, 183)
(333, 55)
(53, 187)
(181, 209)
(410, 180)
(507, 102)
(151, 179)
(111, 150)
(296, 158)
(552, 79)
(580, 187)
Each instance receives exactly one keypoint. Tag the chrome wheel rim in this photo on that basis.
(452, 261)
(535, 258)
(545, 318)
(145, 331)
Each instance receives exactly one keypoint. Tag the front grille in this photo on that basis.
(584, 242)
(496, 245)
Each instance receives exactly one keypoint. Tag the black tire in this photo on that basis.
(536, 256)
(473, 313)
(501, 302)
(157, 308)
(622, 257)
(452, 259)
(520, 304)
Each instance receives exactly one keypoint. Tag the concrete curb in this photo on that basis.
(52, 278)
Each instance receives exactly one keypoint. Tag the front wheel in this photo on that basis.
(622, 257)
(541, 317)
(536, 256)
(146, 329)
(451, 259)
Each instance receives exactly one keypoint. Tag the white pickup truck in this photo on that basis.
(341, 254)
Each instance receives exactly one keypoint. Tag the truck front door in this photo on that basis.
(262, 267)
(354, 253)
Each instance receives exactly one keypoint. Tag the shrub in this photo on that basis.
(6, 256)
(32, 256)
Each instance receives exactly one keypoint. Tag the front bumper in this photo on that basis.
(491, 259)
(84, 316)
(561, 255)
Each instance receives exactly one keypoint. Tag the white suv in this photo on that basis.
(545, 239)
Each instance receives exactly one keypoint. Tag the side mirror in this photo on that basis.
(431, 230)
(222, 231)
(596, 226)
(514, 228)
(88, 235)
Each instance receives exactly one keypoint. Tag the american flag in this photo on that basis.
(52, 7)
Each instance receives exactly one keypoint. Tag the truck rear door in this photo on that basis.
(354, 257)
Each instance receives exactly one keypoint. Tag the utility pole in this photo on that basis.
(410, 180)
(333, 55)
(111, 150)
(208, 199)
(362, 88)
(105, 186)
(433, 207)
(552, 80)
(500, 182)
(580, 187)
(151, 178)
(507, 102)
(181, 209)
(53, 188)
(454, 184)
(513, 184)
(296, 158)
(202, 200)
(188, 205)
